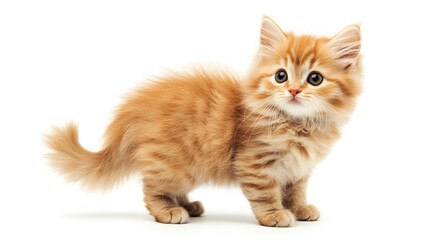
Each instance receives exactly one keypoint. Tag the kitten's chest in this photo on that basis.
(299, 155)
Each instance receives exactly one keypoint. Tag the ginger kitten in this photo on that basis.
(265, 131)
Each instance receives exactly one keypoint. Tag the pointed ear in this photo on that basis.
(271, 37)
(345, 46)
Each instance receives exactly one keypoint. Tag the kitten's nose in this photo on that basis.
(294, 92)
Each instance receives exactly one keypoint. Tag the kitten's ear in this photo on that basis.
(345, 46)
(271, 37)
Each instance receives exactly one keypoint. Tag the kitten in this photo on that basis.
(265, 131)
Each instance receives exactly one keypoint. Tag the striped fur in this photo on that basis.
(210, 126)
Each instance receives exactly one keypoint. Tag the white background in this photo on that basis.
(74, 60)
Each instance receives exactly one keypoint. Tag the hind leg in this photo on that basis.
(162, 202)
(169, 206)
(195, 209)
(166, 184)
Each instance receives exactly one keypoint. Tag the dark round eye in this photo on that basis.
(281, 76)
(315, 78)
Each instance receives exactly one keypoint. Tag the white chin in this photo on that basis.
(298, 109)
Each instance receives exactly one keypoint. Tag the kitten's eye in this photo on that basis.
(281, 76)
(315, 78)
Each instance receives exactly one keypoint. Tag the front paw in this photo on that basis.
(278, 218)
(307, 213)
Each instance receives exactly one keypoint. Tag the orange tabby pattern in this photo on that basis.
(265, 131)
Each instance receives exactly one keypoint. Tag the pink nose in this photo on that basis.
(294, 92)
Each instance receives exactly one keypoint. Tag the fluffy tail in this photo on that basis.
(95, 170)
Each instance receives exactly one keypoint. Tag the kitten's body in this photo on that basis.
(211, 127)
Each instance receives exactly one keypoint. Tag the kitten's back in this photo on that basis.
(186, 121)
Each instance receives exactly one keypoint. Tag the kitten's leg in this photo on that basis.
(195, 209)
(161, 200)
(264, 195)
(294, 198)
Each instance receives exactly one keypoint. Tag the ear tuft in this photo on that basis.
(272, 36)
(345, 46)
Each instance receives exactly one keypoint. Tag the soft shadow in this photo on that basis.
(142, 216)
(225, 217)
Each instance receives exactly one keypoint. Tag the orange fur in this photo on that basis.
(209, 126)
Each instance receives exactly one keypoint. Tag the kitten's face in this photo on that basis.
(304, 76)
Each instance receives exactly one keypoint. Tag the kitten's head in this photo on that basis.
(304, 76)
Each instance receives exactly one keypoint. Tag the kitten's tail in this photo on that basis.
(95, 170)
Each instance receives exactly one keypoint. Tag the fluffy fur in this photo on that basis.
(206, 126)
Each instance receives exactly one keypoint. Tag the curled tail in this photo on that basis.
(96, 170)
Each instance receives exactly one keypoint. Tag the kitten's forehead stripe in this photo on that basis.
(301, 49)
(312, 61)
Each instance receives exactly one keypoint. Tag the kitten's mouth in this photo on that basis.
(294, 101)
